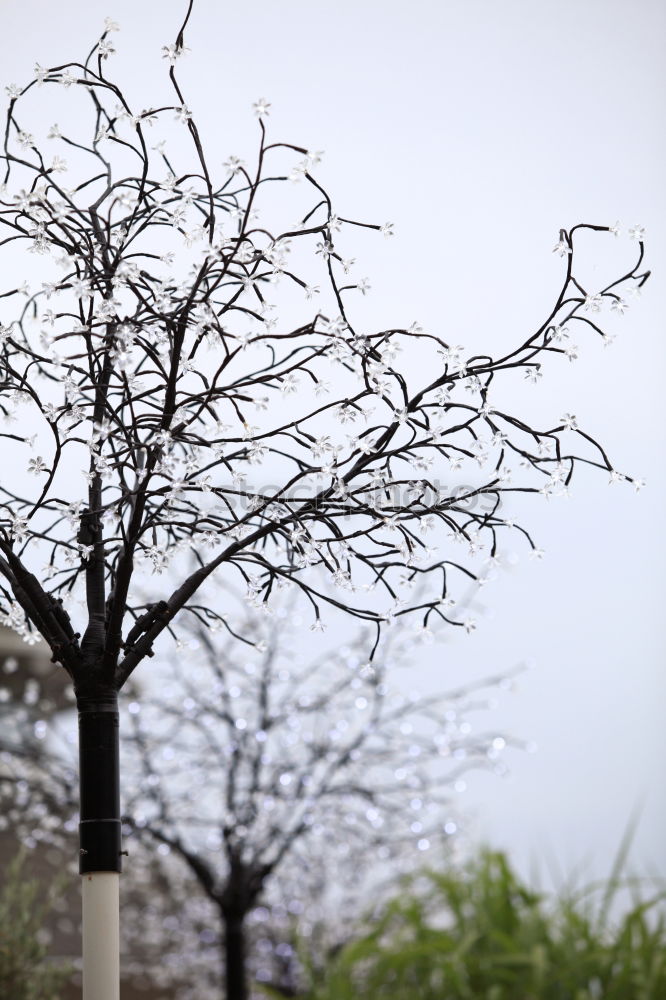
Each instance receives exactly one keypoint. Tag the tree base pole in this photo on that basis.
(100, 846)
(101, 935)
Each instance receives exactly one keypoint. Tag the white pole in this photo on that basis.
(101, 935)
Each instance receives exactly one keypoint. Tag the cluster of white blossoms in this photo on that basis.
(175, 408)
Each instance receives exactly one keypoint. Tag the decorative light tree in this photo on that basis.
(276, 781)
(150, 375)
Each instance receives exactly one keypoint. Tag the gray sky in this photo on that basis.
(480, 128)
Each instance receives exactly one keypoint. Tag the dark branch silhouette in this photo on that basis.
(141, 367)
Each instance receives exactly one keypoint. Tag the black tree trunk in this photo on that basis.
(99, 776)
(235, 956)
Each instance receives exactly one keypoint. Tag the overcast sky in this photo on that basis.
(480, 128)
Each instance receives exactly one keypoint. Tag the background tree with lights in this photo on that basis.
(286, 787)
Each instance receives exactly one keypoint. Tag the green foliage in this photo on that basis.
(482, 934)
(25, 973)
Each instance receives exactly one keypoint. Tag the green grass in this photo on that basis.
(25, 972)
(481, 934)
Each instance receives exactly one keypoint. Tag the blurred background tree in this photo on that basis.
(267, 788)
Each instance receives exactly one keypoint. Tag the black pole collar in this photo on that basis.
(100, 828)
